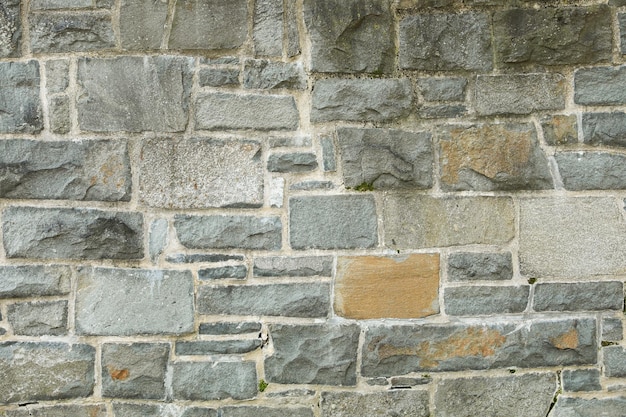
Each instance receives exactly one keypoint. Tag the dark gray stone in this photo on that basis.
(134, 370)
(527, 395)
(592, 170)
(608, 129)
(59, 112)
(58, 411)
(378, 382)
(200, 381)
(373, 100)
(70, 32)
(329, 161)
(50, 233)
(581, 380)
(401, 349)
(217, 347)
(76, 170)
(621, 20)
(223, 272)
(291, 393)
(158, 238)
(614, 361)
(44, 318)
(386, 158)
(61, 4)
(441, 111)
(560, 130)
(402, 382)
(600, 86)
(313, 354)
(333, 222)
(312, 185)
(224, 60)
(424, 4)
(218, 77)
(142, 23)
(445, 42)
(57, 75)
(268, 28)
(577, 296)
(301, 266)
(585, 407)
(160, 410)
(266, 412)
(385, 404)
(290, 300)
(469, 266)
(34, 280)
(553, 36)
(45, 371)
(292, 162)
(226, 232)
(132, 93)
(612, 329)
(442, 89)
(198, 412)
(223, 328)
(485, 300)
(267, 74)
(181, 258)
(10, 28)
(122, 302)
(20, 106)
(291, 23)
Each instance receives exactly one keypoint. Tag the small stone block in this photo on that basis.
(223, 272)
(226, 328)
(414, 403)
(44, 318)
(577, 380)
(469, 266)
(205, 381)
(612, 329)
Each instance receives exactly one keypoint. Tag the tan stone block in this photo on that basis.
(372, 287)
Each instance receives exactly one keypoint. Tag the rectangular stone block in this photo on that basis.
(57, 75)
(333, 222)
(371, 100)
(608, 129)
(300, 266)
(50, 233)
(20, 105)
(391, 403)
(218, 77)
(371, 287)
(135, 94)
(567, 406)
(400, 349)
(123, 302)
(329, 161)
(577, 380)
(600, 86)
(45, 371)
(76, 170)
(560, 129)
(43, 318)
(266, 411)
(34, 280)
(612, 329)
(614, 361)
(292, 162)
(223, 328)
(142, 23)
(579, 296)
(183, 258)
(571, 237)
(226, 232)
(11, 24)
(58, 411)
(262, 74)
(442, 89)
(290, 300)
(59, 112)
(219, 111)
(217, 347)
(485, 300)
(223, 272)
(268, 28)
(201, 173)
(468, 266)
(160, 410)
(420, 221)
(204, 381)
(592, 170)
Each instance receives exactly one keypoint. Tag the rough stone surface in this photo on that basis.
(333, 222)
(575, 296)
(553, 36)
(182, 258)
(10, 28)
(34, 280)
(158, 238)
(217, 347)
(517, 395)
(329, 161)
(267, 74)
(60, 4)
(46, 318)
(268, 28)
(614, 361)
(612, 329)
(604, 129)
(388, 404)
(77, 170)
(621, 20)
(201, 173)
(571, 237)
(160, 410)
(223, 328)
(301, 266)
(583, 407)
(124, 302)
(560, 130)
(581, 380)
(218, 77)
(142, 23)
(134, 94)
(70, 32)
(292, 162)
(135, 370)
(485, 300)
(386, 158)
(213, 380)
(58, 411)
(403, 382)
(225, 232)
(373, 100)
(59, 112)
(290, 300)
(371, 287)
(223, 272)
(468, 266)
(400, 349)
(45, 371)
(442, 111)
(57, 75)
(442, 89)
(419, 221)
(277, 192)
(219, 111)
(20, 105)
(312, 185)
(313, 354)
(49, 233)
(292, 31)
(600, 86)
(265, 411)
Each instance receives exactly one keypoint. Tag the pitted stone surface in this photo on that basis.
(20, 105)
(218, 77)
(46, 318)
(468, 266)
(59, 111)
(442, 89)
(160, 410)
(612, 329)
(575, 296)
(388, 404)
(268, 27)
(292, 162)
(10, 28)
(485, 300)
(581, 380)
(223, 272)
(34, 280)
(142, 23)
(203, 381)
(614, 361)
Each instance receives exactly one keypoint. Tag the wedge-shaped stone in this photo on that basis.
(34, 280)
(20, 105)
(384, 404)
(203, 381)
(217, 347)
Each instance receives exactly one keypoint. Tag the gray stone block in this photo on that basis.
(584, 407)
(223, 328)
(539, 36)
(76, 170)
(263, 74)
(218, 111)
(313, 354)
(292, 162)
(160, 410)
(571, 237)
(218, 77)
(386, 158)
(401, 349)
(612, 329)
(560, 130)
(333, 222)
(527, 395)
(292, 31)
(203, 381)
(372, 100)
(226, 232)
(442, 89)
(268, 28)
(581, 380)
(134, 370)
(402, 382)
(579, 296)
(468, 266)
(600, 86)
(122, 302)
(291, 393)
(59, 112)
(135, 94)
(34, 280)
(181, 258)
(301, 266)
(158, 238)
(608, 129)
(224, 60)
(266, 412)
(621, 20)
(614, 361)
(485, 300)
(312, 185)
(57, 75)
(384, 404)
(441, 111)
(223, 272)
(217, 347)
(44, 318)
(50, 233)
(70, 32)
(446, 42)
(519, 93)
(329, 161)
(61, 4)
(70, 410)
(20, 105)
(142, 23)
(296, 141)
(45, 371)
(10, 29)
(290, 300)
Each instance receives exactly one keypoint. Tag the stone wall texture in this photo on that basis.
(312, 208)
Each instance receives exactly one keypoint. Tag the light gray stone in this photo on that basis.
(218, 77)
(485, 300)
(614, 361)
(329, 161)
(142, 23)
(57, 75)
(581, 380)
(20, 105)
(468, 266)
(217, 347)
(442, 89)
(333, 222)
(268, 28)
(571, 237)
(223, 272)
(59, 112)
(34, 280)
(267, 74)
(200, 381)
(585, 407)
(608, 129)
(312, 185)
(229, 328)
(71, 32)
(291, 393)
(301, 266)
(577, 296)
(58, 411)
(600, 86)
(388, 404)
(313, 354)
(291, 141)
(560, 129)
(158, 238)
(372, 100)
(10, 28)
(402, 382)
(291, 23)
(76, 170)
(160, 410)
(224, 60)
(43, 318)
(182, 258)
(266, 412)
(122, 302)
(132, 93)
(292, 162)
(612, 329)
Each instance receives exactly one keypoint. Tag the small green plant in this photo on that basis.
(365, 186)
(262, 385)
(532, 280)
(605, 343)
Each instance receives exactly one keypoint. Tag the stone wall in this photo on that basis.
(304, 208)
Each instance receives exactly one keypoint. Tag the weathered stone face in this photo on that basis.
(467, 266)
(262, 74)
(10, 28)
(203, 381)
(59, 411)
(292, 162)
(600, 86)
(20, 106)
(301, 266)
(485, 300)
(142, 23)
(34, 280)
(577, 380)
(217, 347)
(265, 411)
(71, 32)
(579, 407)
(38, 318)
(592, 170)
(605, 129)
(392, 403)
(560, 130)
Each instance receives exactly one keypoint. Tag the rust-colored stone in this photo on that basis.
(371, 287)
(567, 340)
(118, 374)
